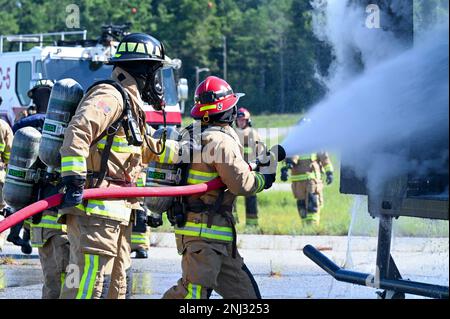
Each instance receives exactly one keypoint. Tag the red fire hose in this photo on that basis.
(102, 193)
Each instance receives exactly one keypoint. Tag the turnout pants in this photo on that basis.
(209, 266)
(309, 195)
(140, 240)
(99, 258)
(251, 211)
(54, 257)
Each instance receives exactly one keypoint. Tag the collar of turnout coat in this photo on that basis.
(130, 84)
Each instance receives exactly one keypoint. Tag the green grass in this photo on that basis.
(275, 120)
(278, 212)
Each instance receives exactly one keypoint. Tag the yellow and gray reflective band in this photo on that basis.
(6, 156)
(312, 157)
(91, 267)
(2, 147)
(208, 107)
(37, 245)
(63, 280)
(43, 82)
(73, 164)
(251, 221)
(119, 145)
(198, 177)
(329, 168)
(260, 182)
(48, 221)
(134, 47)
(312, 217)
(139, 238)
(168, 154)
(303, 177)
(140, 182)
(248, 150)
(194, 292)
(201, 230)
(107, 208)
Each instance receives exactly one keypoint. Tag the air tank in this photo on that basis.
(64, 99)
(161, 174)
(18, 190)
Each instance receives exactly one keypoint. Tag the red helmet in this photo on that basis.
(243, 113)
(213, 96)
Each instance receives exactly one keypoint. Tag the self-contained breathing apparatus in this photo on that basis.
(190, 140)
(35, 158)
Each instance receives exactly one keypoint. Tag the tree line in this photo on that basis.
(272, 54)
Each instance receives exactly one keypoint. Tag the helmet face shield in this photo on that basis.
(209, 97)
(153, 91)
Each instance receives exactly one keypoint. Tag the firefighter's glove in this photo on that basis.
(74, 186)
(329, 178)
(284, 174)
(269, 179)
(154, 220)
(7, 211)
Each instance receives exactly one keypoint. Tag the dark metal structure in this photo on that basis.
(411, 195)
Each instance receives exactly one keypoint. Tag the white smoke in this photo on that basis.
(344, 26)
(399, 101)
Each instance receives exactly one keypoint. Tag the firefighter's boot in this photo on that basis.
(141, 254)
(251, 211)
(14, 235)
(301, 207)
(26, 246)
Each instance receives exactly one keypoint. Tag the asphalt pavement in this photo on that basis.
(280, 268)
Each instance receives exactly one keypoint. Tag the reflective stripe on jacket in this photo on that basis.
(201, 230)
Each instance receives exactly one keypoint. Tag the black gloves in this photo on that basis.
(329, 178)
(7, 211)
(154, 220)
(284, 174)
(269, 179)
(74, 190)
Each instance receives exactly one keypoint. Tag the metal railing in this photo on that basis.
(37, 38)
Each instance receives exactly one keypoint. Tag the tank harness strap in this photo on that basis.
(216, 206)
(111, 130)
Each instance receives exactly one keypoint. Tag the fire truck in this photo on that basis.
(61, 55)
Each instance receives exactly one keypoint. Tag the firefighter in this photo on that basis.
(39, 95)
(251, 141)
(109, 119)
(6, 138)
(206, 237)
(140, 236)
(48, 236)
(307, 184)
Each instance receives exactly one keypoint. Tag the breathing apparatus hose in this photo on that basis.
(163, 136)
(109, 193)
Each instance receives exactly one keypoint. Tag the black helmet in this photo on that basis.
(42, 83)
(139, 47)
(40, 94)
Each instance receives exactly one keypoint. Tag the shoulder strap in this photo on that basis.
(126, 104)
(111, 130)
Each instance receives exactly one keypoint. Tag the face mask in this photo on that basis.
(153, 91)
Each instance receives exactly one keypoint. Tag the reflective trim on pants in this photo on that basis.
(194, 292)
(89, 275)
